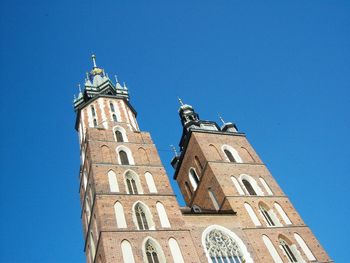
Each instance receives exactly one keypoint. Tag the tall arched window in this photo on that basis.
(249, 187)
(266, 186)
(175, 251)
(269, 215)
(238, 187)
(95, 122)
(272, 250)
(153, 252)
(222, 248)
(114, 117)
(92, 245)
(252, 214)
(111, 106)
(143, 217)
(113, 182)
(282, 214)
(163, 217)
(123, 157)
(132, 182)
(304, 247)
(128, 256)
(119, 215)
(194, 179)
(213, 198)
(119, 136)
(93, 112)
(290, 251)
(150, 183)
(229, 156)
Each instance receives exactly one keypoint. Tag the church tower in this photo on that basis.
(252, 220)
(129, 211)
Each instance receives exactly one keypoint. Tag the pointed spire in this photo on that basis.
(180, 100)
(79, 87)
(174, 149)
(94, 60)
(124, 84)
(221, 119)
(116, 79)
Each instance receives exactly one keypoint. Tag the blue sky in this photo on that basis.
(279, 69)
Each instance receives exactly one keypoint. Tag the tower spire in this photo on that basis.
(94, 60)
(180, 100)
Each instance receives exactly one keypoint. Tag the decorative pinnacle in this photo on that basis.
(116, 79)
(180, 100)
(79, 87)
(223, 122)
(174, 149)
(124, 84)
(94, 60)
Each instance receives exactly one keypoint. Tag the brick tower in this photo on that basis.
(219, 173)
(129, 212)
(235, 211)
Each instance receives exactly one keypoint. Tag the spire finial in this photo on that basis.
(124, 85)
(174, 149)
(116, 79)
(180, 100)
(87, 75)
(94, 60)
(220, 117)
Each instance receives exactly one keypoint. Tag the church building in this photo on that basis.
(235, 211)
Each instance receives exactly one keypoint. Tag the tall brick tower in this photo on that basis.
(218, 171)
(129, 212)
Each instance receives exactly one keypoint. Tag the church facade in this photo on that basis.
(235, 211)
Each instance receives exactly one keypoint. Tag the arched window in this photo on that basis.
(282, 214)
(123, 157)
(132, 182)
(114, 117)
(111, 106)
(194, 179)
(213, 199)
(143, 217)
(252, 214)
(238, 187)
(269, 215)
(92, 245)
(249, 187)
(95, 122)
(231, 154)
(153, 252)
(113, 183)
(304, 247)
(175, 251)
(128, 256)
(119, 215)
(150, 183)
(119, 136)
(290, 251)
(93, 112)
(164, 221)
(223, 248)
(267, 188)
(272, 250)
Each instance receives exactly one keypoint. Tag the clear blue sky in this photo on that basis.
(279, 69)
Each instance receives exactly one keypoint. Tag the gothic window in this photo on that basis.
(113, 182)
(114, 117)
(268, 215)
(288, 251)
(131, 184)
(175, 251)
(272, 250)
(230, 156)
(163, 217)
(128, 256)
(222, 248)
(238, 187)
(150, 183)
(123, 157)
(111, 106)
(119, 215)
(249, 187)
(154, 253)
(143, 217)
(304, 247)
(266, 186)
(194, 179)
(95, 122)
(282, 214)
(252, 214)
(93, 112)
(119, 136)
(213, 199)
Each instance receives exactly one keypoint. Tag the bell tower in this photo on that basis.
(128, 209)
(219, 172)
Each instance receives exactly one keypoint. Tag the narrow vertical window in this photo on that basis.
(229, 156)
(238, 187)
(164, 221)
(252, 215)
(150, 183)
(272, 250)
(93, 112)
(95, 122)
(194, 179)
(249, 187)
(141, 217)
(123, 157)
(133, 183)
(111, 107)
(113, 183)
(119, 215)
(119, 136)
(175, 251)
(153, 252)
(267, 216)
(213, 199)
(114, 118)
(266, 186)
(128, 256)
(304, 247)
(283, 214)
(288, 251)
